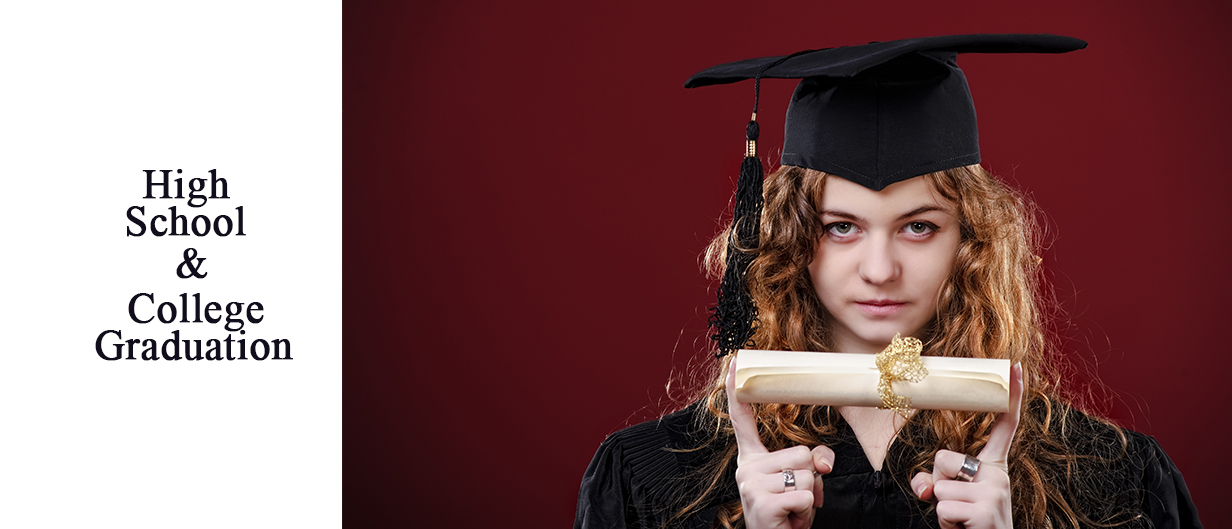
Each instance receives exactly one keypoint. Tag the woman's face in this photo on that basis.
(882, 260)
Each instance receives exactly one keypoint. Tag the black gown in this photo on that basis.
(640, 475)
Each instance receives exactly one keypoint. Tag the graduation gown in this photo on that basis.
(640, 475)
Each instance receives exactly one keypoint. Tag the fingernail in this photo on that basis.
(919, 490)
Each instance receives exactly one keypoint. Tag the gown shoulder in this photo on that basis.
(643, 475)
(1116, 476)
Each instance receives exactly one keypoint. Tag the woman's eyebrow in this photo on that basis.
(904, 216)
(842, 214)
(922, 209)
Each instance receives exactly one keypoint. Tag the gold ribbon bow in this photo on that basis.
(899, 361)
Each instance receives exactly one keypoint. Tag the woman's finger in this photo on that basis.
(791, 509)
(823, 463)
(799, 502)
(950, 490)
(775, 483)
(823, 459)
(743, 421)
(1002, 435)
(954, 514)
(922, 486)
(796, 457)
(946, 465)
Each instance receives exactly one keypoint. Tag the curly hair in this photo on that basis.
(989, 307)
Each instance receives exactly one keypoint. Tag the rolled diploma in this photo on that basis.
(838, 379)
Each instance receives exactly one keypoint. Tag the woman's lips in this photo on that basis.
(880, 308)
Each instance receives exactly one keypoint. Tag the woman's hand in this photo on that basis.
(984, 502)
(768, 502)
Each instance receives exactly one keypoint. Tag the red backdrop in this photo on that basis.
(528, 187)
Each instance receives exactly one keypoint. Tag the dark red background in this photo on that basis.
(528, 188)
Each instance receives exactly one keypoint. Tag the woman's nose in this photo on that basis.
(880, 264)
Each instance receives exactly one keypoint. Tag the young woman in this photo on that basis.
(879, 223)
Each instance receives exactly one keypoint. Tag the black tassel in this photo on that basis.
(734, 316)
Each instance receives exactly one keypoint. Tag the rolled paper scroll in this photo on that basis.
(839, 379)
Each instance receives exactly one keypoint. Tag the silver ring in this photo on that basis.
(789, 480)
(970, 466)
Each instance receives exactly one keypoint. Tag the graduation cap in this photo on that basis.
(874, 114)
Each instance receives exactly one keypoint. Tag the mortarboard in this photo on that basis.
(873, 114)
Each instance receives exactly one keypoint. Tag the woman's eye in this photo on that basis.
(841, 229)
(920, 228)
